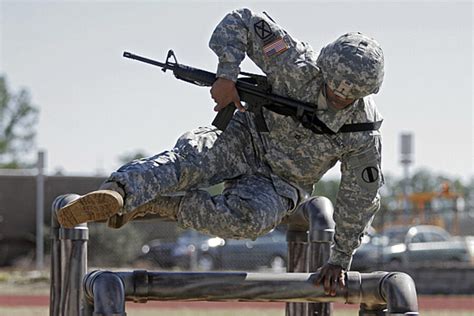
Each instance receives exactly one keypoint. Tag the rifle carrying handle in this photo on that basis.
(224, 116)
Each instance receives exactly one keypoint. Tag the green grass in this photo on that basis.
(43, 311)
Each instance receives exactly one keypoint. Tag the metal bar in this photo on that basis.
(297, 239)
(55, 288)
(40, 212)
(376, 292)
(318, 254)
(297, 257)
(221, 286)
(319, 211)
(73, 269)
(68, 263)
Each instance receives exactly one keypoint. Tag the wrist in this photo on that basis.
(341, 259)
(229, 71)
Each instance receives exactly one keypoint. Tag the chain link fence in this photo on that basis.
(164, 246)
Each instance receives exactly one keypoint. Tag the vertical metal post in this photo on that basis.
(406, 153)
(297, 257)
(56, 281)
(321, 232)
(68, 264)
(310, 234)
(297, 239)
(406, 186)
(40, 211)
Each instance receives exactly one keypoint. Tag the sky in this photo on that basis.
(96, 105)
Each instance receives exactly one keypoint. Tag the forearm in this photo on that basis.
(352, 219)
(358, 198)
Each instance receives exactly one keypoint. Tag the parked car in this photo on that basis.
(369, 256)
(193, 250)
(169, 254)
(419, 245)
(268, 251)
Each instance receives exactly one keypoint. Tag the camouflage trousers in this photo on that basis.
(249, 205)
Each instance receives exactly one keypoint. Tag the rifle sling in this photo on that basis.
(311, 122)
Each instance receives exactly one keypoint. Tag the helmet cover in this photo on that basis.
(352, 65)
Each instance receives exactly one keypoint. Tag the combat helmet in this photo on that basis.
(352, 65)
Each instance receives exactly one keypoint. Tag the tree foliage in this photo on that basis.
(18, 118)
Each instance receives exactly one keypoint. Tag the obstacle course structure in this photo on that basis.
(74, 292)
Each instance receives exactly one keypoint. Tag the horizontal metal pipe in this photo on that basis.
(225, 286)
(374, 291)
(379, 293)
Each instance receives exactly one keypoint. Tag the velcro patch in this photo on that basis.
(276, 47)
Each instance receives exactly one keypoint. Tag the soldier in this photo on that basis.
(266, 175)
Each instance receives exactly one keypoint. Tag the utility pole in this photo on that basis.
(406, 159)
(40, 211)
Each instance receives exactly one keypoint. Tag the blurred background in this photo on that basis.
(72, 110)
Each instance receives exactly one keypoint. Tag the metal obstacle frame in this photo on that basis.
(74, 292)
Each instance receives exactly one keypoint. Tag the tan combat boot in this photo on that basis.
(92, 207)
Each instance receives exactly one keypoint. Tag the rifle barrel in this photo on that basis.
(145, 60)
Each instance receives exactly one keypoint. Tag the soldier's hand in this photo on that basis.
(223, 91)
(331, 276)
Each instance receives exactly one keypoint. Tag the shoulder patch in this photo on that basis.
(274, 48)
(370, 174)
(263, 30)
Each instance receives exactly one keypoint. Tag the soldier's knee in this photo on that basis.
(250, 221)
(228, 215)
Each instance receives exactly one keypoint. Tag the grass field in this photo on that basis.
(42, 311)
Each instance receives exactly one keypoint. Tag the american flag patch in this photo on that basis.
(275, 47)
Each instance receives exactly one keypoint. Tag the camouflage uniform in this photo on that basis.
(266, 174)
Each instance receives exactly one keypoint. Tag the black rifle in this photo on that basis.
(255, 91)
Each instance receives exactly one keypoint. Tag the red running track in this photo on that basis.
(425, 303)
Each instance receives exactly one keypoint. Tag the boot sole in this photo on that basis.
(94, 206)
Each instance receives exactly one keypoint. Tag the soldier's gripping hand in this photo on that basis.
(224, 92)
(331, 276)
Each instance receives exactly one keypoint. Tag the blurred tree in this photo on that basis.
(18, 118)
(327, 188)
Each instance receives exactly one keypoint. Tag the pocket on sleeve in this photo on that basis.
(366, 169)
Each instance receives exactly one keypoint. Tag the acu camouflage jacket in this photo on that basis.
(297, 157)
